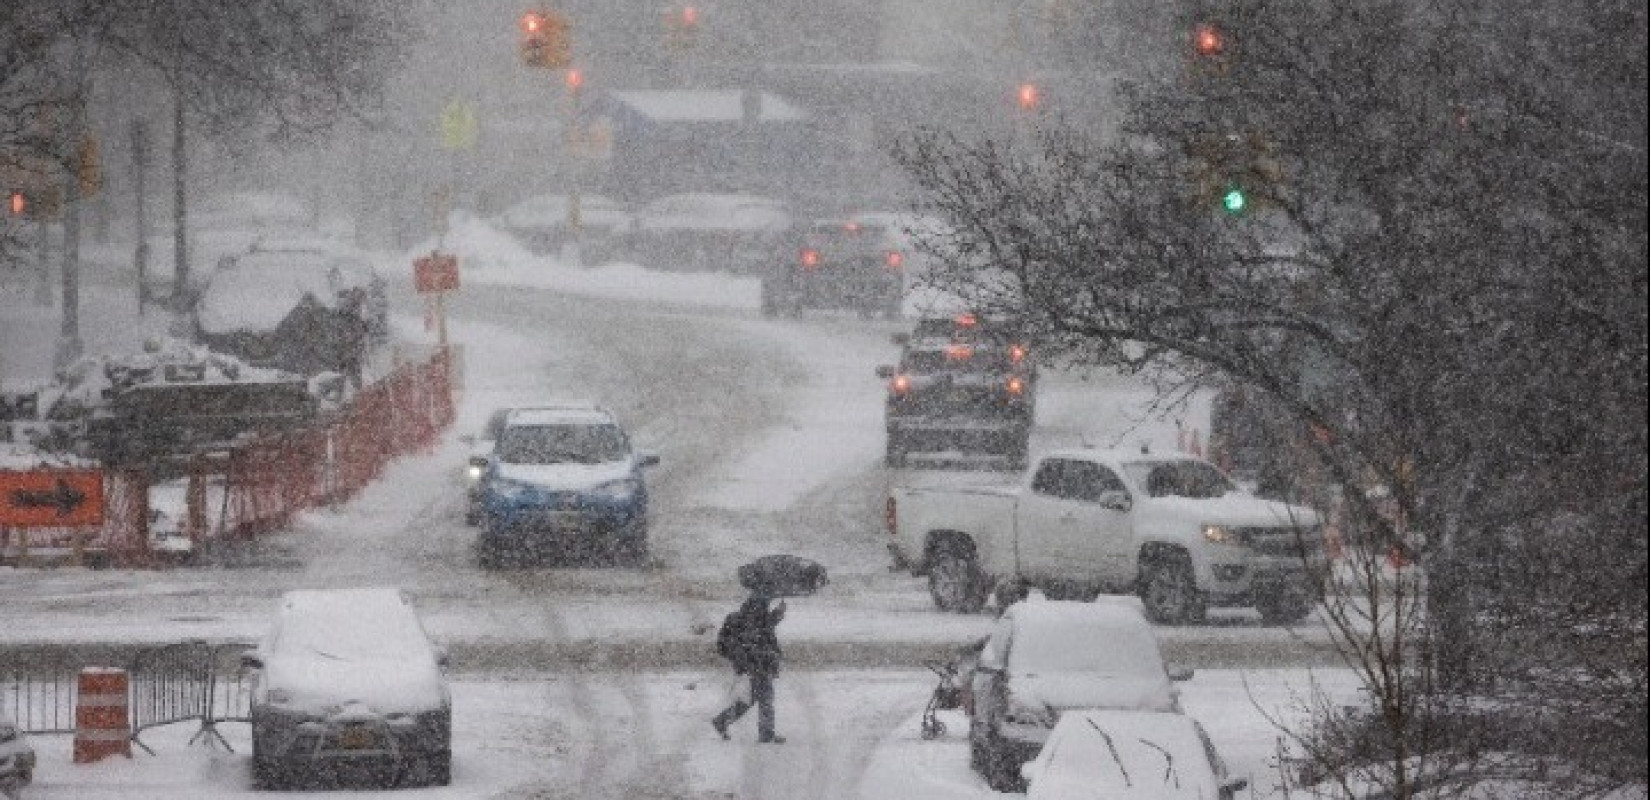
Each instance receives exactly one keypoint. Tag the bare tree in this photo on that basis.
(1435, 259)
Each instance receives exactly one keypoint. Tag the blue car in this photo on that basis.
(563, 480)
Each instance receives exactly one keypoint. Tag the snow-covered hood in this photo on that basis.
(1063, 691)
(316, 683)
(1236, 509)
(566, 477)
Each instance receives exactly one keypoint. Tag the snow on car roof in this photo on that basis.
(369, 620)
(706, 105)
(569, 414)
(255, 291)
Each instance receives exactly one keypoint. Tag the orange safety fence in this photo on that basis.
(268, 480)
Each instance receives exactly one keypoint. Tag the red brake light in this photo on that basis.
(896, 259)
(810, 258)
(959, 352)
(1016, 385)
(851, 227)
(902, 384)
(966, 320)
(1017, 353)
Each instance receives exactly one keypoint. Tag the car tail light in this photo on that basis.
(1016, 385)
(896, 259)
(966, 320)
(851, 227)
(810, 258)
(959, 352)
(1017, 353)
(901, 384)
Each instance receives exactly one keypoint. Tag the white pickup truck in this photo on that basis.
(1087, 521)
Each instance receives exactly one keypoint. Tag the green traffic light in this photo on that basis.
(1234, 200)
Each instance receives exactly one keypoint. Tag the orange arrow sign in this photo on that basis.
(50, 497)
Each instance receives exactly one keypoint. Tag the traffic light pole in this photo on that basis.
(69, 345)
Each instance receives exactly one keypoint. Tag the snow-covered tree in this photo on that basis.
(1418, 229)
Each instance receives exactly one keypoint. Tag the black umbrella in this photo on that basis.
(782, 576)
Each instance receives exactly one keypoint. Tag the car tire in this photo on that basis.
(1283, 607)
(955, 583)
(1002, 772)
(1168, 590)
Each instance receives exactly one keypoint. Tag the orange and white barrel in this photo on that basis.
(102, 726)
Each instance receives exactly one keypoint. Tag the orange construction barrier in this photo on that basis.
(102, 727)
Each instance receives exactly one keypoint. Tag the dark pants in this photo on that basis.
(762, 697)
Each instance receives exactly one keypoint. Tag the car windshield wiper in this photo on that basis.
(1112, 746)
(1169, 772)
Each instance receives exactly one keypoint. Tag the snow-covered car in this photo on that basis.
(707, 232)
(1047, 657)
(836, 264)
(540, 222)
(302, 309)
(16, 760)
(347, 688)
(1129, 755)
(564, 478)
(480, 451)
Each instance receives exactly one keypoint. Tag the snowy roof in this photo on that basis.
(705, 105)
(255, 291)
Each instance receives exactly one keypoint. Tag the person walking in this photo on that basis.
(750, 641)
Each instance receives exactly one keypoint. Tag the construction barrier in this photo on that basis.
(102, 725)
(269, 479)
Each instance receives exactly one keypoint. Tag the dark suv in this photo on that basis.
(837, 264)
(963, 386)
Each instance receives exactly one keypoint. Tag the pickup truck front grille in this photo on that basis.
(1283, 542)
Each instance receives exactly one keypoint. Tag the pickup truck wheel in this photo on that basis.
(1169, 591)
(956, 584)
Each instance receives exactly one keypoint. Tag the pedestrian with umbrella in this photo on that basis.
(749, 637)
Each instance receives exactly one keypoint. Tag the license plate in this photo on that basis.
(358, 737)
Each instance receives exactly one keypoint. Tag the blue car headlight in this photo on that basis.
(619, 491)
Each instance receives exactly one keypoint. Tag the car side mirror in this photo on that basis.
(1116, 500)
(647, 459)
(441, 656)
(901, 339)
(885, 371)
(1180, 674)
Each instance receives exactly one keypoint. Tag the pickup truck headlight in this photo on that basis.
(1220, 534)
(475, 470)
(618, 491)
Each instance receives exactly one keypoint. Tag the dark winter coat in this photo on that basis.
(756, 643)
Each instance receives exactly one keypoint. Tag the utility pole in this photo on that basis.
(140, 166)
(180, 236)
(69, 346)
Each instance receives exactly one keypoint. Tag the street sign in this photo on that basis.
(435, 273)
(459, 127)
(51, 497)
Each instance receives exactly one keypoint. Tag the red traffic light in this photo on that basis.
(1208, 41)
(810, 258)
(690, 16)
(1029, 96)
(532, 23)
(575, 79)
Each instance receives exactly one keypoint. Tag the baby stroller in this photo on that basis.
(946, 696)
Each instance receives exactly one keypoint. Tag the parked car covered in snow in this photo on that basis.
(347, 688)
(706, 232)
(1047, 657)
(301, 309)
(1129, 755)
(16, 760)
(542, 224)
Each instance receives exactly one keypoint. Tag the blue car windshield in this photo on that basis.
(562, 444)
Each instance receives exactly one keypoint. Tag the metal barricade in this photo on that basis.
(185, 681)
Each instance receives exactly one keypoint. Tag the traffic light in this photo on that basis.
(1208, 40)
(575, 80)
(1029, 97)
(1239, 174)
(682, 27)
(546, 40)
(1234, 200)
